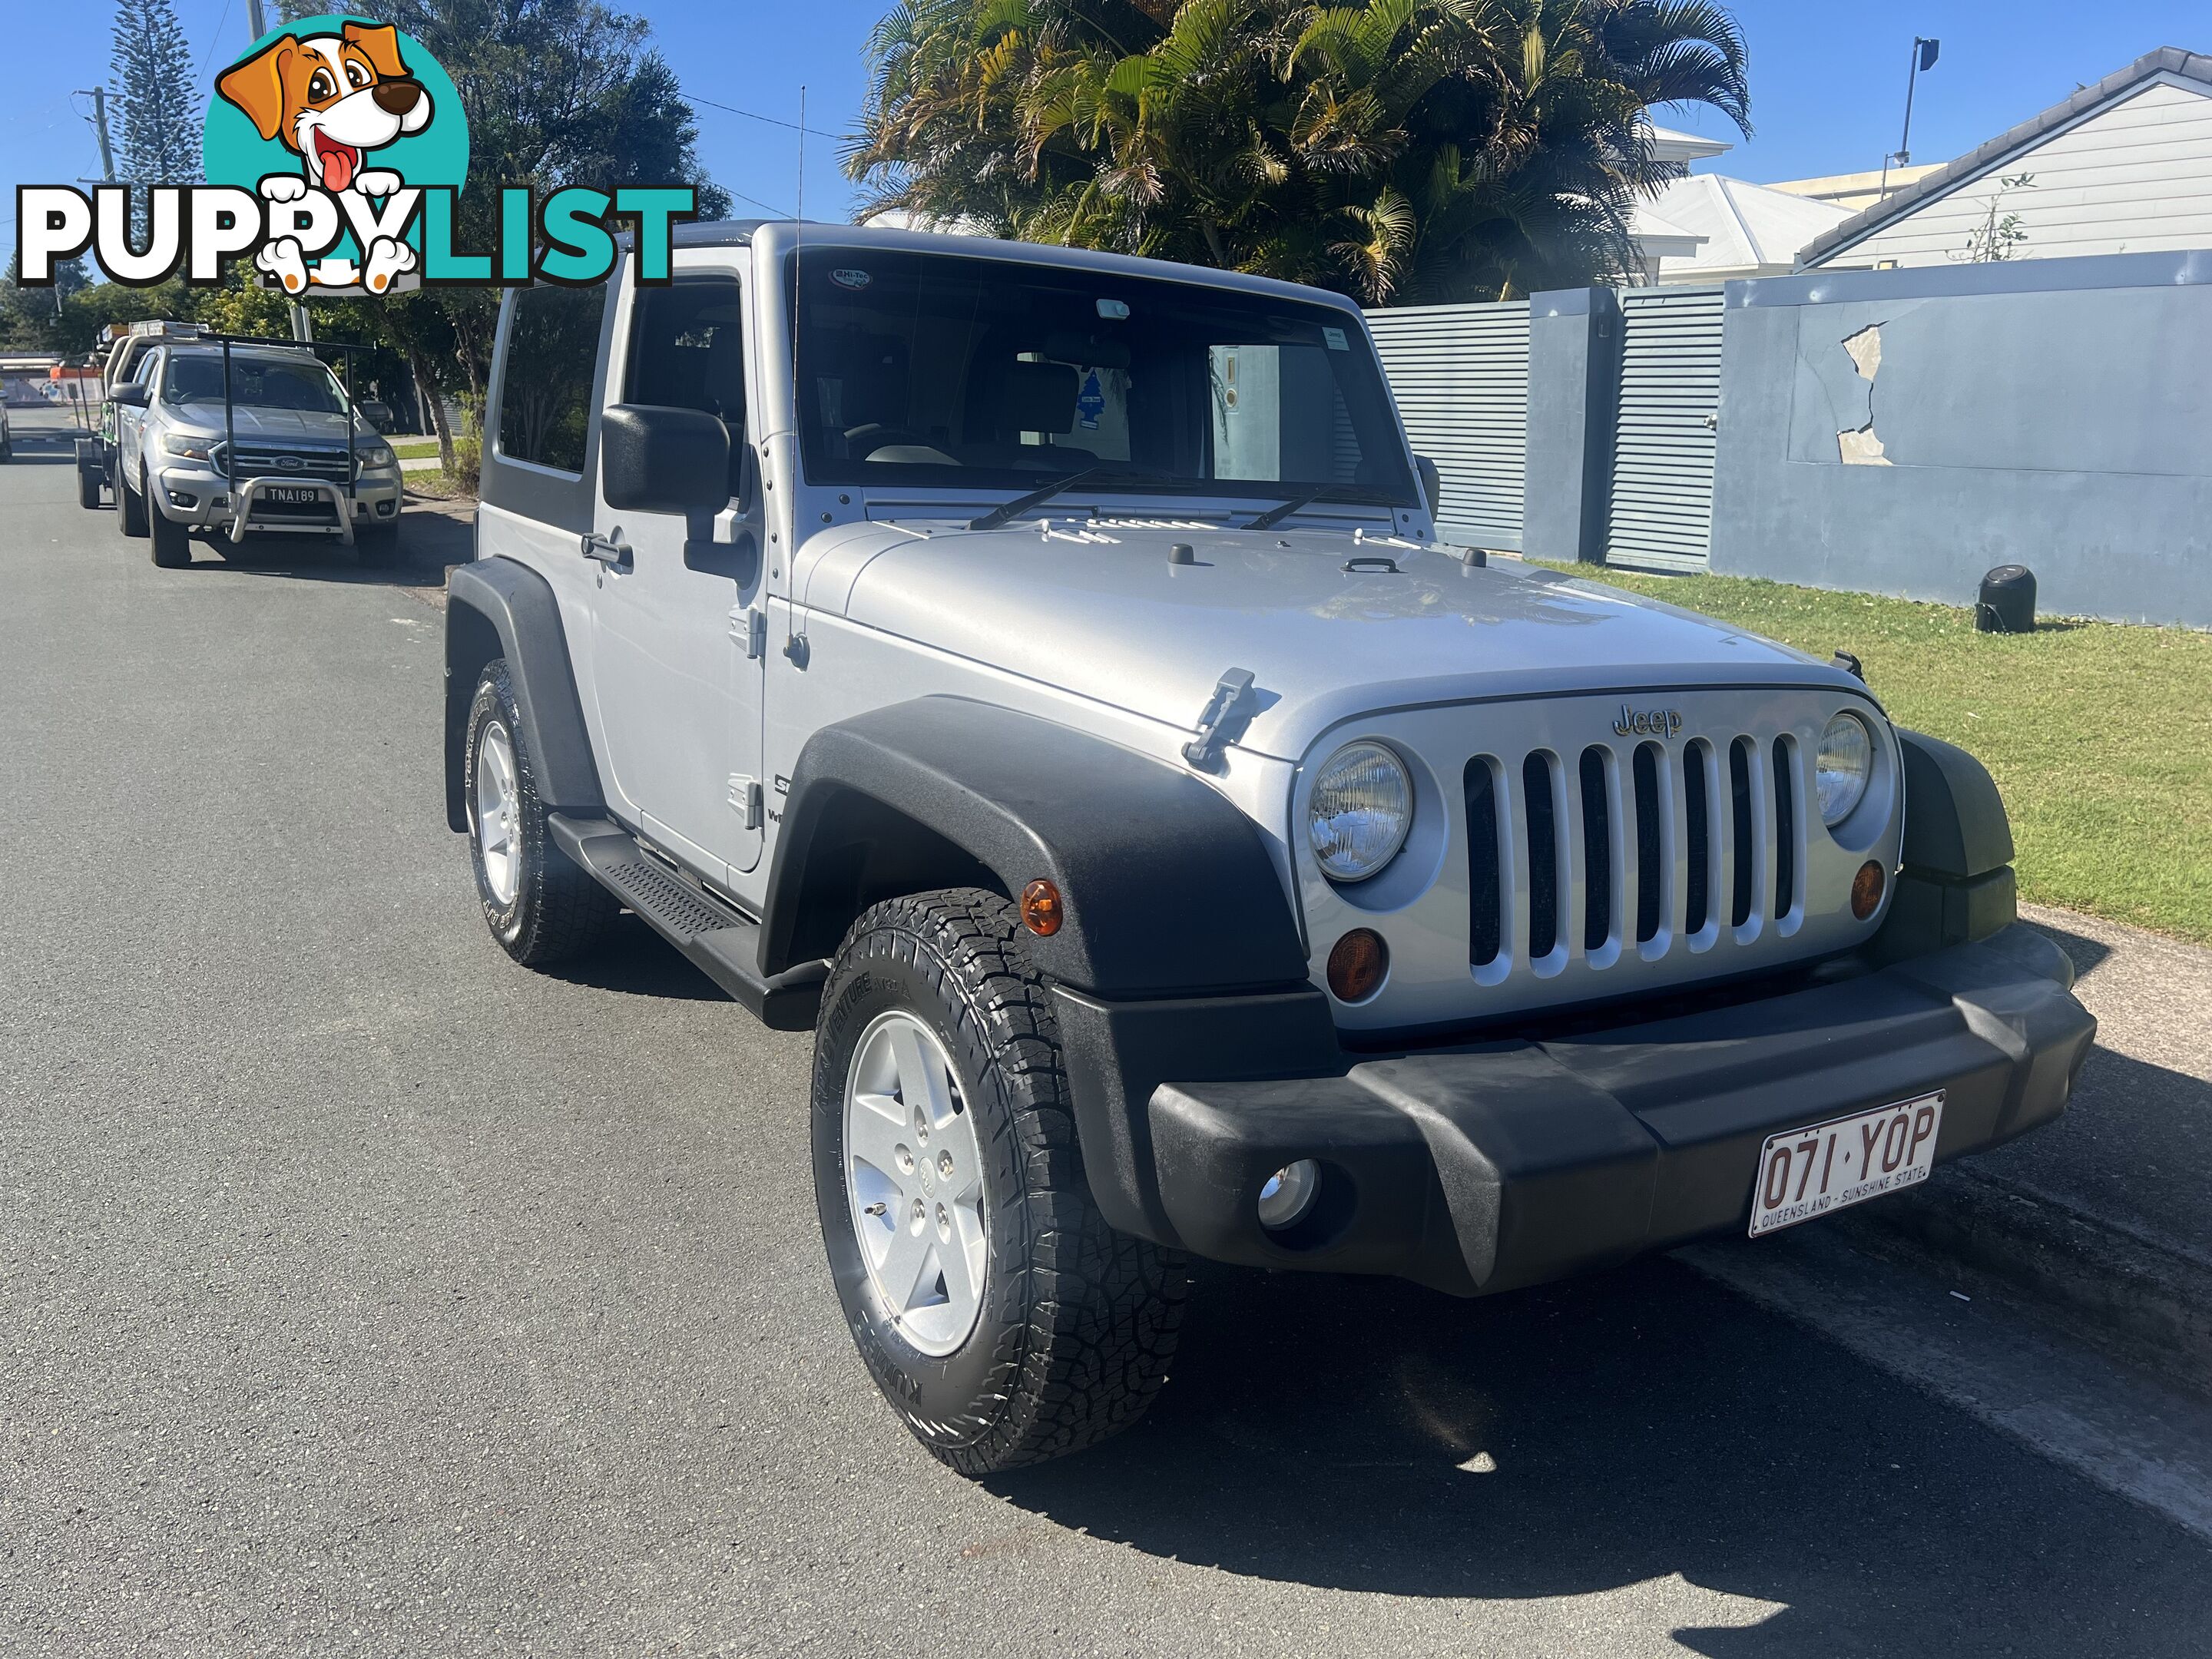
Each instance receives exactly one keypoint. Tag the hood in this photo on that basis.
(290, 425)
(1104, 614)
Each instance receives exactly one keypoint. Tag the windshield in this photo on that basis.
(939, 369)
(256, 382)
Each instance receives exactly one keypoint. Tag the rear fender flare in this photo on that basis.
(498, 607)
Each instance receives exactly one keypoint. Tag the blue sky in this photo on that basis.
(1827, 83)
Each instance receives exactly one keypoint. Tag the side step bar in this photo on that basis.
(721, 944)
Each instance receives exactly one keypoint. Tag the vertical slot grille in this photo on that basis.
(1485, 933)
(1698, 888)
(1543, 856)
(1740, 846)
(1597, 851)
(1651, 895)
(1785, 829)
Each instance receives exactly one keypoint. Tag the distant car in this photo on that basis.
(376, 412)
(300, 463)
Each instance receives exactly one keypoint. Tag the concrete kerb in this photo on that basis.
(2102, 1224)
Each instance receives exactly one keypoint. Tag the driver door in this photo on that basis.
(677, 634)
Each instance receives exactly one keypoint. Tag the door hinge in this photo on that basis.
(745, 799)
(748, 628)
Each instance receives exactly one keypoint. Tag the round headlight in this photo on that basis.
(1845, 762)
(1361, 806)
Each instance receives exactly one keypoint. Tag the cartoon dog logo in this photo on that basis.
(331, 99)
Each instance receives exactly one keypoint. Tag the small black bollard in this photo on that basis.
(2008, 601)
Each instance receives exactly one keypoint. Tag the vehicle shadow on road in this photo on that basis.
(1365, 1435)
(432, 540)
(637, 961)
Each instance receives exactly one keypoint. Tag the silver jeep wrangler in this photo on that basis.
(1038, 673)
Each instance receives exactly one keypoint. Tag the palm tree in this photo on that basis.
(1398, 150)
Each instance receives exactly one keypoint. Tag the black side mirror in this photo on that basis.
(655, 458)
(133, 392)
(1432, 484)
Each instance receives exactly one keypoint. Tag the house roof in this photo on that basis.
(2166, 60)
(1744, 226)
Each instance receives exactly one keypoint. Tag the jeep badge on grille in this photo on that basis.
(1648, 722)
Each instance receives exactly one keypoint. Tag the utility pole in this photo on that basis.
(99, 121)
(257, 22)
(1923, 57)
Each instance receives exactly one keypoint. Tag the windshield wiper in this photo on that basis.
(1275, 515)
(1282, 510)
(1007, 512)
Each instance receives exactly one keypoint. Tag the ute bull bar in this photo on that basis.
(244, 496)
(245, 492)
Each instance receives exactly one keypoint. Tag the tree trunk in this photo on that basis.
(434, 409)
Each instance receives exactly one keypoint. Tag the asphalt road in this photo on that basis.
(366, 1293)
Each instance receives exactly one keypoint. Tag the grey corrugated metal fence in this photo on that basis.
(1661, 508)
(1461, 376)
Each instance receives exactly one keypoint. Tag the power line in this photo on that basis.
(772, 121)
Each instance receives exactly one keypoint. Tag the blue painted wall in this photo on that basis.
(2055, 413)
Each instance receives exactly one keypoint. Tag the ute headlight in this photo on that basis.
(189, 445)
(1360, 809)
(375, 455)
(1845, 764)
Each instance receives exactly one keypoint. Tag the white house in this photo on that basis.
(1740, 229)
(2124, 167)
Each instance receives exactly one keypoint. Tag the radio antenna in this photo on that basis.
(791, 647)
(798, 231)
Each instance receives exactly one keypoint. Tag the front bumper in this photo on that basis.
(1504, 1163)
(201, 500)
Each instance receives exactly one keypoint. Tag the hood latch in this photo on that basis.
(1229, 692)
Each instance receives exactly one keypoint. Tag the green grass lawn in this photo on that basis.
(2099, 735)
(413, 449)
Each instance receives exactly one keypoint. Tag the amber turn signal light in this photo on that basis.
(1356, 965)
(1866, 890)
(1041, 908)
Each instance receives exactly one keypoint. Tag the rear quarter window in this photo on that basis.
(545, 388)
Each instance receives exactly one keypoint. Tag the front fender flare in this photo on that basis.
(1169, 889)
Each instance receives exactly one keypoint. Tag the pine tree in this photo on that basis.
(157, 97)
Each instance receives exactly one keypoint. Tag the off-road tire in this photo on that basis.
(87, 488)
(1078, 1322)
(558, 912)
(129, 507)
(173, 541)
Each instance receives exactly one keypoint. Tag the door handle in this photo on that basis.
(607, 550)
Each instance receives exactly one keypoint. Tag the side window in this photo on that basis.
(687, 350)
(545, 382)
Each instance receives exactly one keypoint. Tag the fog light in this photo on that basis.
(1357, 965)
(1287, 1195)
(1041, 908)
(1866, 890)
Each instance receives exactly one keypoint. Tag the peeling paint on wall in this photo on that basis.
(1858, 446)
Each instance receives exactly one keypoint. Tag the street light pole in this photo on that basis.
(254, 19)
(1923, 56)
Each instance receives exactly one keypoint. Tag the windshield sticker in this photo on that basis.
(1114, 311)
(1335, 338)
(849, 277)
(1091, 403)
